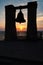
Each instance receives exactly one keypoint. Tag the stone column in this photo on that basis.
(31, 25)
(10, 28)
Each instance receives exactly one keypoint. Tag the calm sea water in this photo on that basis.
(2, 37)
(20, 35)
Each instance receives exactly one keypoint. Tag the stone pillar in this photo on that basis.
(10, 28)
(31, 25)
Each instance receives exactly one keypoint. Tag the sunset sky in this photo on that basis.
(22, 26)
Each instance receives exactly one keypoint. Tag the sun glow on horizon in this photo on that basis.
(21, 27)
(2, 26)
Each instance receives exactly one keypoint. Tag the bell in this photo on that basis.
(20, 17)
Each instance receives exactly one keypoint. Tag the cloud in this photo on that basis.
(39, 19)
(40, 14)
(40, 22)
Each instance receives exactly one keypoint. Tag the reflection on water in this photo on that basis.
(2, 37)
(20, 35)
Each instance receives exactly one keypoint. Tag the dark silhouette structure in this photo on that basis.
(31, 26)
(10, 28)
(20, 17)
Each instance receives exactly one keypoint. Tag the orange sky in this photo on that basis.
(2, 25)
(40, 22)
(22, 26)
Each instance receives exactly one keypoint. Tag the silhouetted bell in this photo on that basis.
(20, 17)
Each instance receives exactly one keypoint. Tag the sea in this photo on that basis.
(20, 35)
(2, 35)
